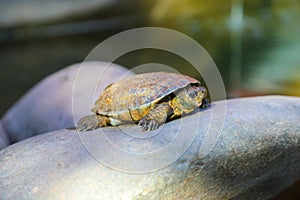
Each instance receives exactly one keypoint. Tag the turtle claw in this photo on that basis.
(153, 124)
(148, 125)
(141, 122)
(82, 127)
(87, 123)
(205, 104)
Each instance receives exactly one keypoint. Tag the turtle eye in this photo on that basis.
(192, 93)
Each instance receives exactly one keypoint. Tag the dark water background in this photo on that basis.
(255, 44)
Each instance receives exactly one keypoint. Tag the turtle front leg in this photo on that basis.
(91, 122)
(156, 116)
(205, 104)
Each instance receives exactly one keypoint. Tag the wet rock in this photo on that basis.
(255, 156)
(4, 142)
(50, 104)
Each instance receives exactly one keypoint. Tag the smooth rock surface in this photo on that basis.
(256, 156)
(4, 141)
(56, 100)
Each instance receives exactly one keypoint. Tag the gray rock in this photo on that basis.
(255, 157)
(56, 100)
(4, 141)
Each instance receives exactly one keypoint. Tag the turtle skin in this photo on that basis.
(147, 99)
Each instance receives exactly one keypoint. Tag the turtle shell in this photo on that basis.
(138, 93)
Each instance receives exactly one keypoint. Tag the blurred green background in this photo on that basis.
(255, 44)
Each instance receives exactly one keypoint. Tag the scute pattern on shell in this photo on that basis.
(139, 91)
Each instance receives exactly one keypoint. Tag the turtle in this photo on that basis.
(147, 99)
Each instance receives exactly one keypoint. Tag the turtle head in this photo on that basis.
(189, 99)
(197, 94)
